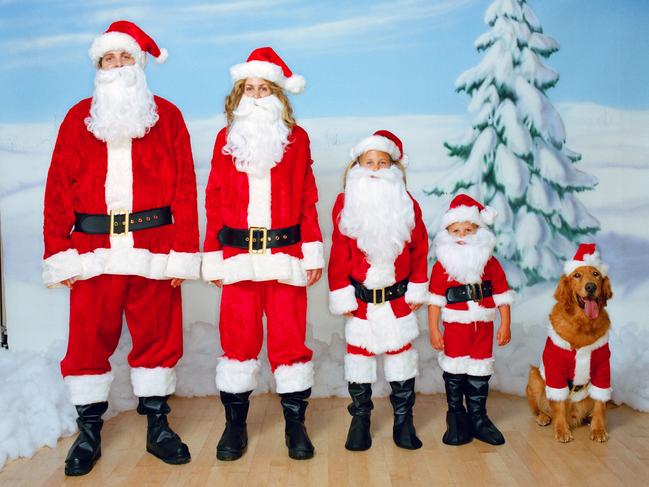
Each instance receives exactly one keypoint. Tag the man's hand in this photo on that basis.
(218, 283)
(504, 335)
(313, 276)
(176, 282)
(68, 283)
(414, 307)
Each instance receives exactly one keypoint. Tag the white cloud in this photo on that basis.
(47, 42)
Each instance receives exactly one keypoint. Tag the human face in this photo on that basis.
(116, 59)
(257, 88)
(461, 230)
(374, 160)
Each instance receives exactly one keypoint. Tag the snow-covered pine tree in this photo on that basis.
(515, 158)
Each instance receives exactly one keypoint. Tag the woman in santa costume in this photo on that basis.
(263, 247)
(121, 231)
(467, 286)
(378, 277)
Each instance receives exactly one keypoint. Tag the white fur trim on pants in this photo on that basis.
(598, 393)
(360, 369)
(212, 266)
(61, 266)
(466, 365)
(313, 255)
(293, 378)
(382, 331)
(157, 381)
(184, 265)
(342, 300)
(236, 376)
(417, 293)
(88, 389)
(401, 366)
(504, 298)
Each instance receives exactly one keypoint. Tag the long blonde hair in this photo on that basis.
(233, 99)
(354, 162)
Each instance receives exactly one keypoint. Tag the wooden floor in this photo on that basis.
(530, 457)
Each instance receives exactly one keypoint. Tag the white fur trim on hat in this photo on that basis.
(469, 214)
(270, 72)
(590, 260)
(376, 142)
(116, 41)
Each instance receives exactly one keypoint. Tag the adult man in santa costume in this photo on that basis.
(378, 277)
(468, 286)
(263, 246)
(121, 231)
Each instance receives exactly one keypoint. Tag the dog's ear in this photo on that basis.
(563, 294)
(607, 292)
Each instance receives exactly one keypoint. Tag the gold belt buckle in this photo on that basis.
(252, 240)
(113, 223)
(374, 292)
(475, 292)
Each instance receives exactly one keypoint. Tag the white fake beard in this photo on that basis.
(258, 136)
(122, 105)
(378, 212)
(465, 263)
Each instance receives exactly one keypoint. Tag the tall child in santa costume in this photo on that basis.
(378, 277)
(263, 246)
(467, 285)
(121, 231)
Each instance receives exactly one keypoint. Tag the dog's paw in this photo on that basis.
(563, 435)
(543, 419)
(599, 434)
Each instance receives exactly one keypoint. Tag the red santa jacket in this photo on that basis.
(470, 311)
(586, 366)
(88, 175)
(285, 197)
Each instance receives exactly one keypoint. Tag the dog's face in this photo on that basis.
(584, 289)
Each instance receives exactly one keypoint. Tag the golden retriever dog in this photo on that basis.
(579, 321)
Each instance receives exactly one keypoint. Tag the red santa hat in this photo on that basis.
(126, 36)
(265, 63)
(384, 141)
(463, 208)
(586, 255)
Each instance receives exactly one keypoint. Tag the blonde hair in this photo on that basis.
(354, 162)
(233, 99)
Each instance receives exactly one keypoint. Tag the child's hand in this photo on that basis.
(414, 307)
(436, 340)
(348, 314)
(504, 335)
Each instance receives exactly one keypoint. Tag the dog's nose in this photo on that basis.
(591, 287)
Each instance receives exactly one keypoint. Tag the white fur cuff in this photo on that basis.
(313, 255)
(88, 389)
(556, 394)
(504, 298)
(400, 366)
(293, 378)
(236, 376)
(212, 268)
(437, 300)
(157, 381)
(599, 394)
(61, 266)
(466, 365)
(360, 369)
(342, 300)
(183, 265)
(417, 293)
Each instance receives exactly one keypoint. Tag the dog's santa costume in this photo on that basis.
(262, 237)
(586, 371)
(120, 221)
(375, 286)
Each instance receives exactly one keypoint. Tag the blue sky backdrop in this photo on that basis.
(359, 58)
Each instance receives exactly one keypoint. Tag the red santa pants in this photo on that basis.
(468, 348)
(398, 365)
(242, 307)
(154, 316)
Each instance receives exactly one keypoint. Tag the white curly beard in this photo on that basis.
(258, 136)
(465, 262)
(378, 212)
(122, 105)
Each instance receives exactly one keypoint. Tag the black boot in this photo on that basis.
(234, 439)
(476, 392)
(297, 440)
(358, 436)
(86, 449)
(458, 426)
(403, 400)
(161, 441)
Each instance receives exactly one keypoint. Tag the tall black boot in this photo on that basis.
(161, 441)
(458, 426)
(476, 392)
(86, 449)
(403, 400)
(358, 436)
(234, 439)
(297, 440)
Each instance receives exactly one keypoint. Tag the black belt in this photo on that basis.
(120, 222)
(258, 239)
(469, 292)
(380, 296)
(575, 388)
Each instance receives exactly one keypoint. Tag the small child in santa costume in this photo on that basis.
(467, 285)
(377, 278)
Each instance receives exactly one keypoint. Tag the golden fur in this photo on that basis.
(571, 323)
